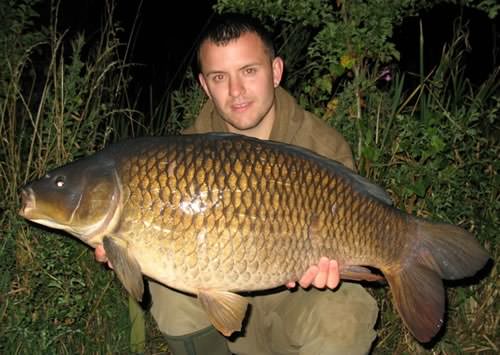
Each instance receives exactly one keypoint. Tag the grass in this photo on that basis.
(61, 98)
(60, 301)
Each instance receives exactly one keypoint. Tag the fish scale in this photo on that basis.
(271, 195)
(216, 214)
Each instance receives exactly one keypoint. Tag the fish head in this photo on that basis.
(81, 198)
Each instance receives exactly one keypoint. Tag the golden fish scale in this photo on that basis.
(242, 217)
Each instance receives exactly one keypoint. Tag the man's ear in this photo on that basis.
(204, 85)
(278, 66)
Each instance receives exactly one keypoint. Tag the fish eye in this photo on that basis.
(59, 181)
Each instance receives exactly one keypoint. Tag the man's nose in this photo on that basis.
(236, 87)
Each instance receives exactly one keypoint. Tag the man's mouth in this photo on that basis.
(240, 107)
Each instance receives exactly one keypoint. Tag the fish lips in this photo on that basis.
(28, 202)
(30, 210)
(37, 213)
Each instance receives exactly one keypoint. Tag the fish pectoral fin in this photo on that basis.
(125, 265)
(226, 310)
(358, 273)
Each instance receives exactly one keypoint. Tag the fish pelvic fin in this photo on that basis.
(439, 251)
(225, 310)
(125, 265)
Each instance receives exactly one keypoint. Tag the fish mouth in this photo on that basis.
(28, 202)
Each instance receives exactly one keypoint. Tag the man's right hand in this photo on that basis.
(100, 255)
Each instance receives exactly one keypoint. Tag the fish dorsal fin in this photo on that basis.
(226, 310)
(125, 265)
(360, 183)
(370, 188)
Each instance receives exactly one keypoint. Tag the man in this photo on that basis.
(240, 74)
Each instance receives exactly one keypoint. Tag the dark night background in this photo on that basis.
(164, 36)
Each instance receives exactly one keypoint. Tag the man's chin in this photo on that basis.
(242, 124)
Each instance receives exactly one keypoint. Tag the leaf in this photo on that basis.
(437, 144)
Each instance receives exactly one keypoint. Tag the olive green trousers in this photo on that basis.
(300, 322)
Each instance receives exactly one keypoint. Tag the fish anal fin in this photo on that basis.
(358, 273)
(420, 300)
(226, 310)
(125, 265)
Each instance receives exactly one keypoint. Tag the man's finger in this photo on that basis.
(321, 278)
(100, 254)
(333, 275)
(308, 277)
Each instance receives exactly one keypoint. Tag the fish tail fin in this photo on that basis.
(418, 294)
(451, 251)
(441, 251)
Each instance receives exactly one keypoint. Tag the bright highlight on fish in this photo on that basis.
(216, 214)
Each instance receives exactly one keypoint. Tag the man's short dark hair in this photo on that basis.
(228, 27)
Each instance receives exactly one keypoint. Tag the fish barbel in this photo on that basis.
(216, 214)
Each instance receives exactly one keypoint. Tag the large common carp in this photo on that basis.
(215, 214)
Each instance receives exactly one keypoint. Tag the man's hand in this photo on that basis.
(325, 274)
(100, 255)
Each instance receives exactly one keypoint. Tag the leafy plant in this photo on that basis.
(60, 99)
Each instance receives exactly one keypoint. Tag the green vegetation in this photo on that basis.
(434, 146)
(60, 99)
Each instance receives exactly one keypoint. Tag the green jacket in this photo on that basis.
(293, 125)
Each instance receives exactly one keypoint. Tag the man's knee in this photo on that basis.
(349, 317)
(206, 341)
(184, 323)
(176, 313)
(326, 322)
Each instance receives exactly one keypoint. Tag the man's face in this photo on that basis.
(240, 78)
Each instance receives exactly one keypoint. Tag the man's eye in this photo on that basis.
(250, 70)
(218, 77)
